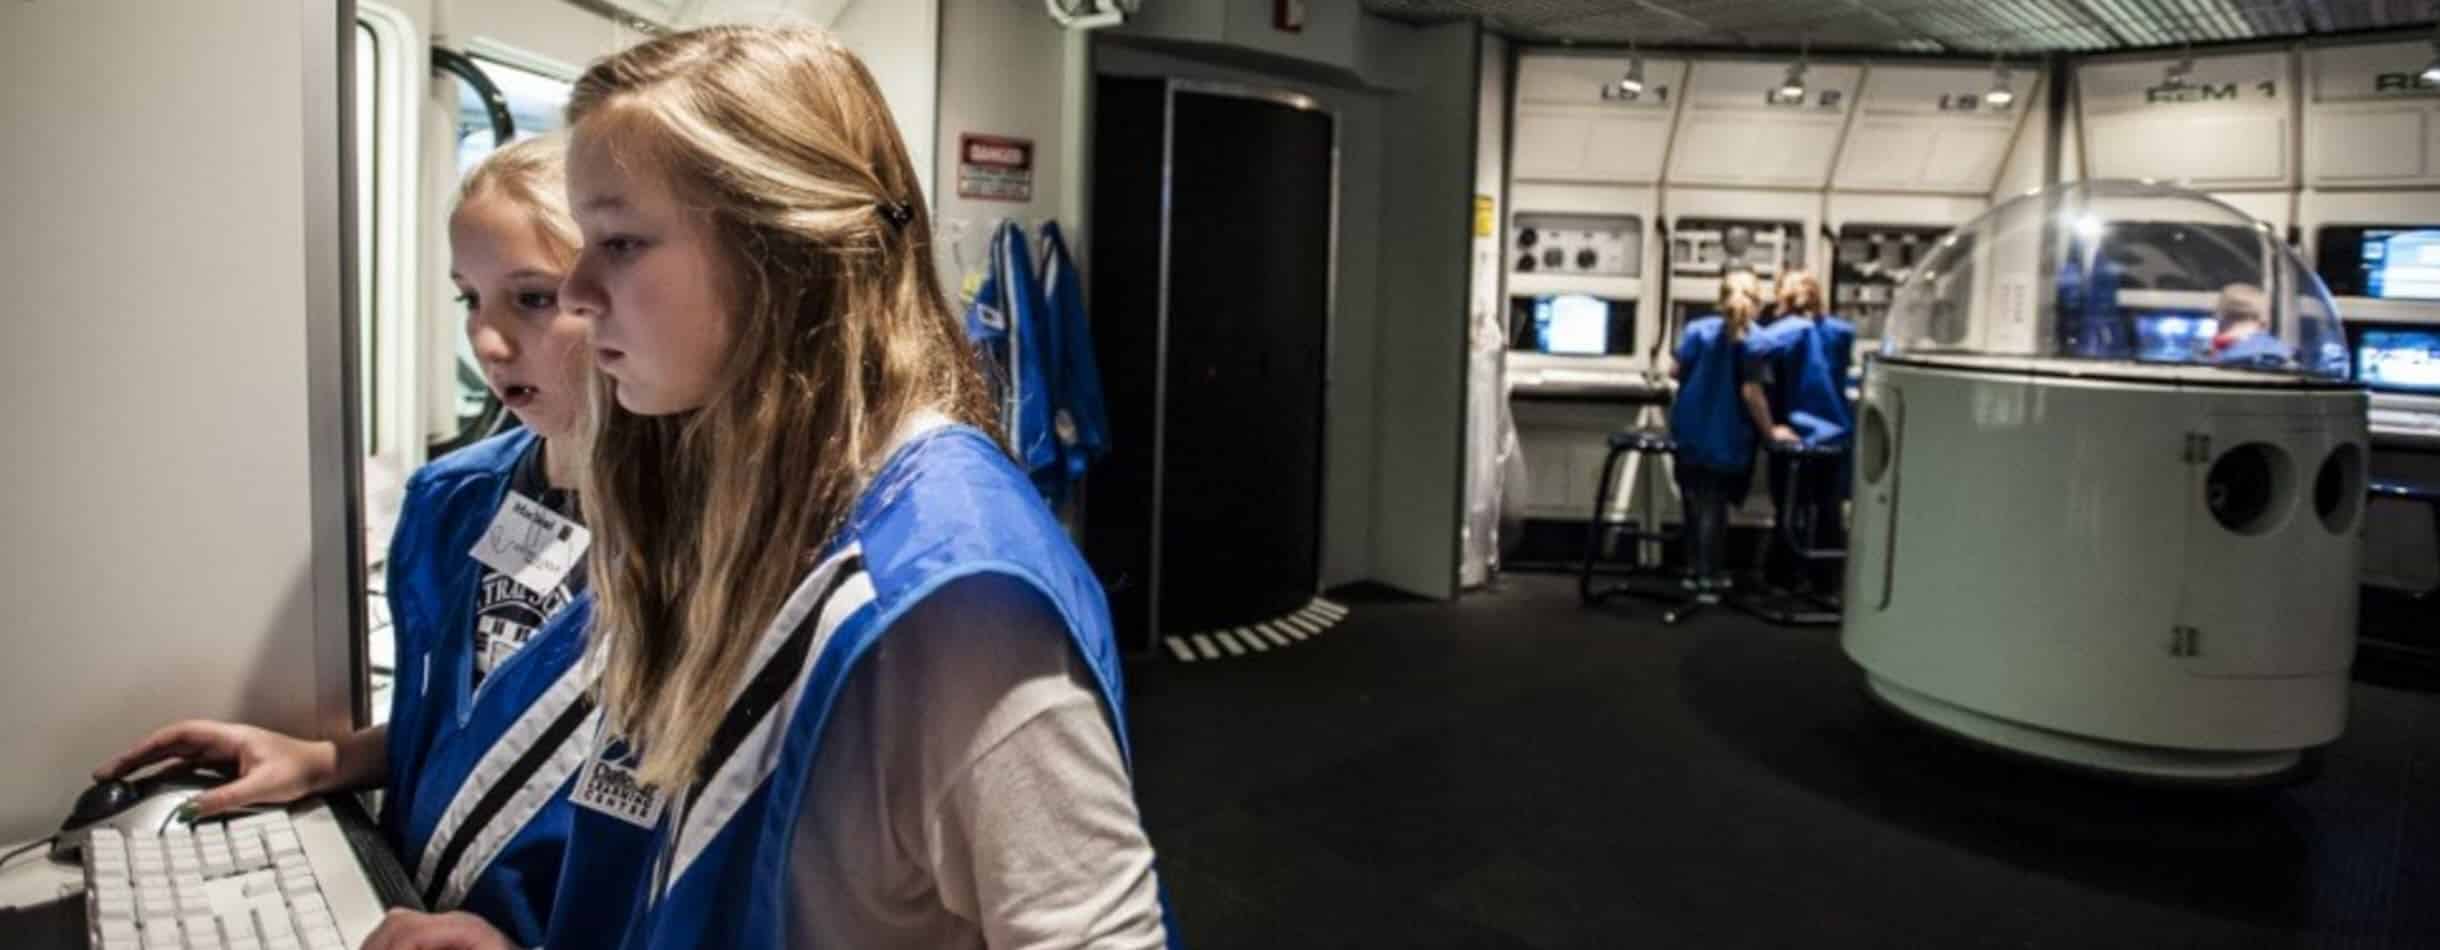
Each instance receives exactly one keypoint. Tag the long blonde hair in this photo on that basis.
(1800, 292)
(1740, 301)
(705, 521)
(533, 174)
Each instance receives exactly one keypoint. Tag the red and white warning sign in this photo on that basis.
(995, 168)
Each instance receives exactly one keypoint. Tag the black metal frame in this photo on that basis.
(495, 417)
(1682, 605)
(1772, 604)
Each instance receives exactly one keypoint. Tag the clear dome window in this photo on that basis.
(2120, 278)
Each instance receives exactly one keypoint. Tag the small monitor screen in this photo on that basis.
(2174, 336)
(1572, 324)
(2401, 264)
(2398, 359)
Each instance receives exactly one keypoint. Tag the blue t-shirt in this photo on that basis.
(2258, 351)
(1708, 418)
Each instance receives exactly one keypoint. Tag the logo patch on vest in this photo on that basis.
(608, 785)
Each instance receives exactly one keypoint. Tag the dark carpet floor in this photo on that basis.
(1512, 770)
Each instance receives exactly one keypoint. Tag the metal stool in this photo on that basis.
(1649, 443)
(1770, 604)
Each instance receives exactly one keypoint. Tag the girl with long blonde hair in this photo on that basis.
(1715, 418)
(858, 688)
(1803, 358)
(488, 629)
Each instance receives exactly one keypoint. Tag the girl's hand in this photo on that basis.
(1785, 436)
(270, 767)
(456, 930)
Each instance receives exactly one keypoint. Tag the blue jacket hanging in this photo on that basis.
(709, 868)
(2088, 320)
(1079, 419)
(476, 802)
(1003, 321)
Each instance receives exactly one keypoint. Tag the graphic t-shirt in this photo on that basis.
(506, 613)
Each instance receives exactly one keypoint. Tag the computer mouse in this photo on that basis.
(144, 806)
(106, 798)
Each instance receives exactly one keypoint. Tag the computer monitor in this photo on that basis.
(2397, 358)
(2401, 265)
(2174, 336)
(2386, 261)
(1571, 325)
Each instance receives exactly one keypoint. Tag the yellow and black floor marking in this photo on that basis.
(1307, 622)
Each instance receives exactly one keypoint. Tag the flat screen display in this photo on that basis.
(2174, 336)
(1572, 324)
(2401, 264)
(2397, 359)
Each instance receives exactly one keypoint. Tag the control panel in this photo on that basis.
(1584, 245)
(1868, 262)
(1711, 247)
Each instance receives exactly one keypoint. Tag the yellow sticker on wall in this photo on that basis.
(1485, 222)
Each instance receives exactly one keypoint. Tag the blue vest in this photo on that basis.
(1808, 357)
(709, 867)
(1005, 322)
(476, 801)
(1708, 418)
(1078, 417)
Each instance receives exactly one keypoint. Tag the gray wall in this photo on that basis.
(1420, 436)
(174, 498)
(1003, 65)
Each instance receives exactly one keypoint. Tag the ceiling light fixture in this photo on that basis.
(2431, 73)
(2000, 95)
(2175, 76)
(1633, 82)
(1792, 89)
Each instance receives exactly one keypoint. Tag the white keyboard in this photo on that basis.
(2404, 420)
(275, 880)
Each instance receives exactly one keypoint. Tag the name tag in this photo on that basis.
(608, 786)
(532, 544)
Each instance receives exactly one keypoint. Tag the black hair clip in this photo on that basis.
(899, 213)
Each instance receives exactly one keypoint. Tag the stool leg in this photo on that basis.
(1594, 528)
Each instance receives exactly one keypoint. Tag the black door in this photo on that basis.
(1248, 319)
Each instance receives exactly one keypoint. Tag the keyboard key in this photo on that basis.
(246, 943)
(118, 908)
(288, 942)
(272, 922)
(308, 909)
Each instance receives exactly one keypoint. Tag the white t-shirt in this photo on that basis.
(969, 793)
